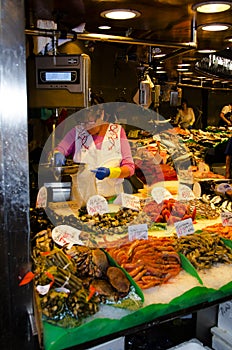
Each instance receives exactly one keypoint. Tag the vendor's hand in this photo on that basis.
(59, 159)
(102, 172)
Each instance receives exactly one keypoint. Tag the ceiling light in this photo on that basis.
(184, 64)
(229, 39)
(187, 73)
(182, 69)
(215, 27)
(104, 27)
(120, 14)
(212, 6)
(206, 51)
(159, 55)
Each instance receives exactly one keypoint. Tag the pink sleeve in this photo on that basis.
(67, 144)
(126, 153)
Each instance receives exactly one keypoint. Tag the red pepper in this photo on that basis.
(92, 291)
(194, 213)
(27, 278)
(51, 277)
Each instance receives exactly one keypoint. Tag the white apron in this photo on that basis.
(108, 156)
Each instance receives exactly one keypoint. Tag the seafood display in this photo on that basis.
(100, 224)
(223, 231)
(204, 249)
(218, 202)
(168, 211)
(204, 210)
(150, 262)
(71, 283)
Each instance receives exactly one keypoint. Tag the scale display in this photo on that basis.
(60, 72)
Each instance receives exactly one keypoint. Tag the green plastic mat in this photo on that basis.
(56, 338)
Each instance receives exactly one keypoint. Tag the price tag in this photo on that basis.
(185, 193)
(130, 201)
(226, 218)
(160, 193)
(184, 227)
(138, 232)
(42, 197)
(97, 205)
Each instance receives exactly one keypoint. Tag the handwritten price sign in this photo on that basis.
(226, 219)
(97, 205)
(185, 193)
(130, 201)
(138, 232)
(184, 227)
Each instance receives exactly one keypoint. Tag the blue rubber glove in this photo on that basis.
(59, 159)
(102, 172)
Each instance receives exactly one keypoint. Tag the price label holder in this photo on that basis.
(97, 205)
(160, 193)
(130, 201)
(226, 218)
(184, 227)
(139, 231)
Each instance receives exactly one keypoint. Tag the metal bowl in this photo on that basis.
(67, 169)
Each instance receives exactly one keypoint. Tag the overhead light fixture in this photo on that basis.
(182, 69)
(120, 14)
(104, 27)
(159, 55)
(187, 73)
(215, 27)
(184, 65)
(229, 39)
(212, 6)
(206, 51)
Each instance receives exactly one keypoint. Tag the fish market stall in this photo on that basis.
(93, 283)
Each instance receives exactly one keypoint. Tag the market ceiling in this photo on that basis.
(170, 27)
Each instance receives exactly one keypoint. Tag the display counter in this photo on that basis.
(185, 293)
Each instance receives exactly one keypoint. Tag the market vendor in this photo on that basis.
(104, 149)
(185, 117)
(226, 115)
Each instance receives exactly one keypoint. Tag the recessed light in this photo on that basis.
(120, 14)
(104, 27)
(216, 27)
(184, 65)
(212, 6)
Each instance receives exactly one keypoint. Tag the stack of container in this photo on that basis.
(222, 334)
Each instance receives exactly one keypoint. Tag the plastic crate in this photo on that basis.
(193, 344)
(221, 339)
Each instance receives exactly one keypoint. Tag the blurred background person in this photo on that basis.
(185, 117)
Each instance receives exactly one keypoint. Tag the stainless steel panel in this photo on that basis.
(14, 179)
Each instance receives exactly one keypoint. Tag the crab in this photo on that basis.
(118, 279)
